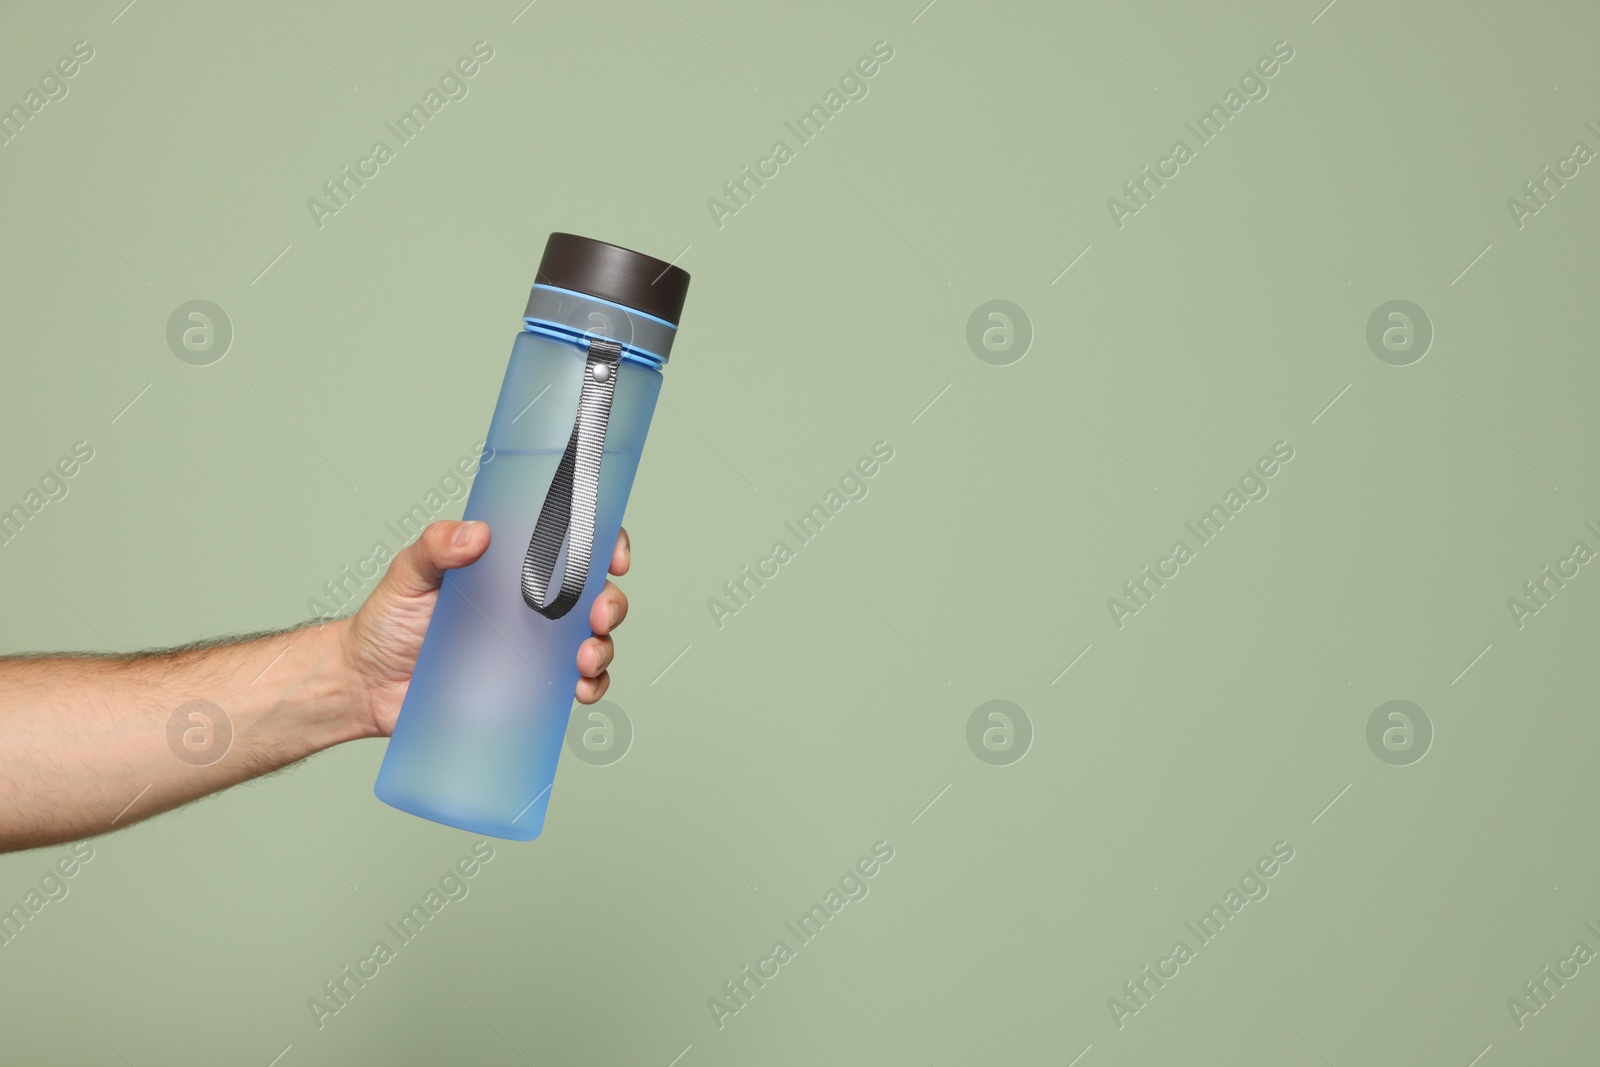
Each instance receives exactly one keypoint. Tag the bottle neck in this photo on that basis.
(577, 319)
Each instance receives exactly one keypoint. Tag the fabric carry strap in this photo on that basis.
(569, 505)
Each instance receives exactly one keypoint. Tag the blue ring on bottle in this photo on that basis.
(581, 339)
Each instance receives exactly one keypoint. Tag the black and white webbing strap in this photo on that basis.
(569, 506)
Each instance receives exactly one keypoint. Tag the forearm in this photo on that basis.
(90, 744)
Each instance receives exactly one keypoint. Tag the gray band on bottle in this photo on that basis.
(568, 513)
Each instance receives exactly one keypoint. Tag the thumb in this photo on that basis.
(443, 546)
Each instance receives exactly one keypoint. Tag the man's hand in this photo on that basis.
(94, 743)
(383, 638)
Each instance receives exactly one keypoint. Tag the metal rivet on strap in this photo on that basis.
(600, 372)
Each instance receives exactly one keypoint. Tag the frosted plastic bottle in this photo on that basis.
(484, 719)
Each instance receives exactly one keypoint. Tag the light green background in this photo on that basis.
(828, 713)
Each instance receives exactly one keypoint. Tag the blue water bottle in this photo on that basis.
(484, 719)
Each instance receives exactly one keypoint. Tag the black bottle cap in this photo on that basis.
(613, 273)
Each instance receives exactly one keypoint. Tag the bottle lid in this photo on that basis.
(613, 273)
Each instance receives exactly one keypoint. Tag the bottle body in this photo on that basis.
(484, 719)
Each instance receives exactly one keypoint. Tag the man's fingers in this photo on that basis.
(443, 546)
(592, 689)
(621, 555)
(609, 609)
(595, 655)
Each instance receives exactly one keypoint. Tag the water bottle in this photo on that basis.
(484, 719)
